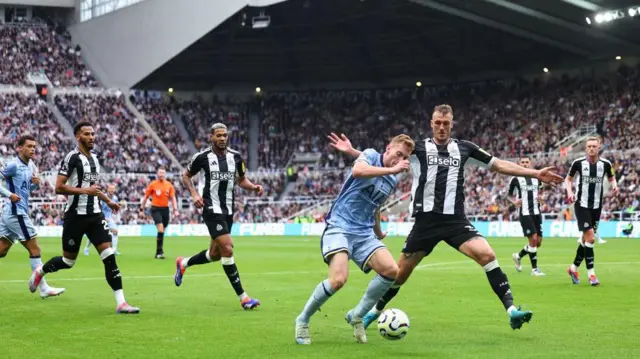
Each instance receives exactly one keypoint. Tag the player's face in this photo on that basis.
(28, 149)
(441, 126)
(111, 189)
(87, 137)
(395, 153)
(162, 174)
(525, 162)
(593, 147)
(219, 138)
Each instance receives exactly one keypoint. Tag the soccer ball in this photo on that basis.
(393, 324)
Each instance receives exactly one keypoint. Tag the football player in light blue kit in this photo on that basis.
(353, 232)
(20, 178)
(111, 219)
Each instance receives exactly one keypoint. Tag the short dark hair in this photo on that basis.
(443, 109)
(80, 125)
(162, 168)
(23, 139)
(523, 157)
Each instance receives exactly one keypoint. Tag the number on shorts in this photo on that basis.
(105, 225)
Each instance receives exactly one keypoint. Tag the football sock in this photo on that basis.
(229, 266)
(589, 257)
(35, 261)
(523, 252)
(499, 283)
(376, 289)
(320, 295)
(159, 243)
(55, 264)
(579, 257)
(387, 297)
(114, 242)
(533, 253)
(200, 258)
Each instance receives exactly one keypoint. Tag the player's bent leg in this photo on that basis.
(225, 245)
(35, 261)
(338, 274)
(206, 256)
(66, 261)
(406, 264)
(478, 249)
(114, 278)
(384, 265)
(589, 255)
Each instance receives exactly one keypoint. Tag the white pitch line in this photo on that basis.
(434, 266)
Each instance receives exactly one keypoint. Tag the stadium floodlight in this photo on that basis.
(632, 12)
(599, 18)
(545, 69)
(618, 57)
(418, 83)
(588, 20)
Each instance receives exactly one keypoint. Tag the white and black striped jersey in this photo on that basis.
(82, 172)
(527, 190)
(590, 181)
(219, 173)
(438, 175)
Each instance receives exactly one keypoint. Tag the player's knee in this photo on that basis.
(214, 255)
(589, 236)
(390, 271)
(338, 280)
(115, 232)
(486, 257)
(226, 250)
(68, 262)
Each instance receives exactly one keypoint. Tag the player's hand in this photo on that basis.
(93, 190)
(402, 166)
(615, 190)
(198, 201)
(259, 190)
(517, 203)
(571, 198)
(176, 213)
(547, 175)
(115, 207)
(35, 180)
(340, 143)
(14, 198)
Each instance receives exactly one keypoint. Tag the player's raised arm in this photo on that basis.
(342, 144)
(363, 166)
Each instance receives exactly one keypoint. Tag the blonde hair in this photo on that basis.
(405, 140)
(594, 138)
(443, 109)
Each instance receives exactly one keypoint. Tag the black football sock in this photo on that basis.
(387, 297)
(499, 283)
(56, 263)
(579, 255)
(231, 270)
(200, 258)
(159, 243)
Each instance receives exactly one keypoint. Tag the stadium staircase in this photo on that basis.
(132, 108)
(177, 120)
(576, 138)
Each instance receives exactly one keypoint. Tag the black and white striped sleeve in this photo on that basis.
(67, 165)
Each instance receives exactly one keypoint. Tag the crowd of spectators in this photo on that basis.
(21, 115)
(39, 48)
(124, 145)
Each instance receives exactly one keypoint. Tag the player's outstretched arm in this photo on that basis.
(545, 175)
(342, 144)
(3, 191)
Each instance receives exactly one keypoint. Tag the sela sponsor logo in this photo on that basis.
(434, 160)
(589, 179)
(223, 176)
(91, 177)
(531, 188)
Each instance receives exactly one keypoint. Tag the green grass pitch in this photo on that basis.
(453, 312)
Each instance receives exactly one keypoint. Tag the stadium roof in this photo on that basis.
(311, 42)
